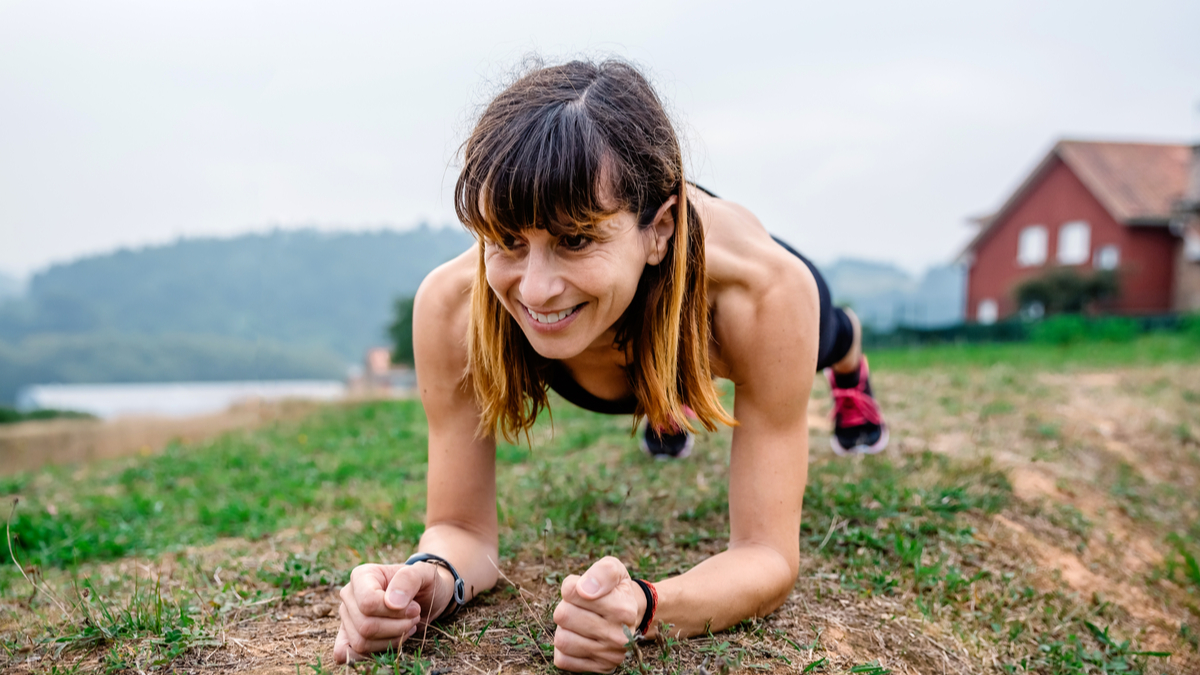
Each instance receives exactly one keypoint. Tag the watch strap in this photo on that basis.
(459, 597)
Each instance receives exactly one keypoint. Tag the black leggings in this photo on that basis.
(837, 333)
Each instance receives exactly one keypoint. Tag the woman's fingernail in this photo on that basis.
(589, 585)
(414, 610)
(411, 631)
(397, 599)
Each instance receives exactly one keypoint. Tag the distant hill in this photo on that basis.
(332, 291)
(10, 287)
(884, 295)
(108, 357)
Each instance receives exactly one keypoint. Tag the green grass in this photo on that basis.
(1146, 350)
(908, 528)
(365, 463)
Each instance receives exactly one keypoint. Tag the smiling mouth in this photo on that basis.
(554, 317)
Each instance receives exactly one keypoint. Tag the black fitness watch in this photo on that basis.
(460, 595)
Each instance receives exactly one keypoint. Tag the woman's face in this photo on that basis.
(567, 293)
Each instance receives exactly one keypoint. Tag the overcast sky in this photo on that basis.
(858, 129)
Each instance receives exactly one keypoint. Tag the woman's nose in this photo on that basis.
(542, 280)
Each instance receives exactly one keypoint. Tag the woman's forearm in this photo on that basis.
(748, 580)
(474, 556)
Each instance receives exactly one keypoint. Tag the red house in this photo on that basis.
(1091, 205)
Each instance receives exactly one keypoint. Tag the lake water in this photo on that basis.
(171, 399)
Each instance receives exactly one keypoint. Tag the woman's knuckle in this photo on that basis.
(569, 583)
(368, 627)
(359, 644)
(562, 613)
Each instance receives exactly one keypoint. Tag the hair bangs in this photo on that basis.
(552, 172)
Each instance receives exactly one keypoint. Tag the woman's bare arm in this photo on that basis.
(460, 521)
(768, 338)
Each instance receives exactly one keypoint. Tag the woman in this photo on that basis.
(601, 272)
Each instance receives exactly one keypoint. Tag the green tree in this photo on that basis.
(401, 331)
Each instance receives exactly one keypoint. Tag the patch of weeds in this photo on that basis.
(1190, 635)
(1183, 433)
(895, 527)
(951, 404)
(1181, 565)
(716, 503)
(1190, 396)
(11, 485)
(1072, 520)
(996, 407)
(723, 653)
(394, 662)
(872, 668)
(880, 508)
(817, 666)
(1130, 488)
(301, 571)
(147, 631)
(1051, 431)
(1074, 655)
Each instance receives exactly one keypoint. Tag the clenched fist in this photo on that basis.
(384, 604)
(593, 615)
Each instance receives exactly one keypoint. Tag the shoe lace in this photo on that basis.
(854, 407)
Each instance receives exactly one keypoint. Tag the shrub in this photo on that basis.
(1064, 290)
(1064, 329)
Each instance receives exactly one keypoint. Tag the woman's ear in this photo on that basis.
(661, 229)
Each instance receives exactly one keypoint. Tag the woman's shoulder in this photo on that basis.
(442, 309)
(757, 289)
(742, 257)
(451, 281)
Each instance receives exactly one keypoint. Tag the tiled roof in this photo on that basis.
(1136, 182)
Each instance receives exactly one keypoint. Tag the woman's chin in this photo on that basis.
(553, 349)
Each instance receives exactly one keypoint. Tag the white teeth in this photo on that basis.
(551, 318)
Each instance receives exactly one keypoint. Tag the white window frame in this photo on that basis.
(1074, 243)
(1032, 245)
(1108, 257)
(1191, 245)
(987, 312)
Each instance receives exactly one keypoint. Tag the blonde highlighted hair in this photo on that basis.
(561, 149)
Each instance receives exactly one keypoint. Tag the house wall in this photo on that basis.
(1147, 254)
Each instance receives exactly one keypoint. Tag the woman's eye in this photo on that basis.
(575, 242)
(508, 243)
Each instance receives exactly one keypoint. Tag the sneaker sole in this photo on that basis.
(874, 449)
(683, 454)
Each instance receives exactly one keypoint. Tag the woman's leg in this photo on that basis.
(849, 362)
(858, 426)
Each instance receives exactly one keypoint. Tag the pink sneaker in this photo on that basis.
(858, 426)
(668, 443)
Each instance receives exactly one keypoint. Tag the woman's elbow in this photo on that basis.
(780, 578)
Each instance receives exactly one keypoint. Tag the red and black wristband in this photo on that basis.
(651, 605)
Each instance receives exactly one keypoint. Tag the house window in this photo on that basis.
(1074, 243)
(1191, 246)
(1031, 247)
(987, 312)
(1107, 257)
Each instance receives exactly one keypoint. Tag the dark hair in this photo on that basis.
(561, 149)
